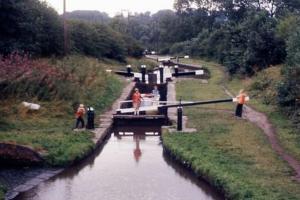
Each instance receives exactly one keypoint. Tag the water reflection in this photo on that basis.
(137, 151)
(128, 167)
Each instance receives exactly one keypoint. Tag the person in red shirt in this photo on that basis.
(241, 101)
(136, 101)
(79, 116)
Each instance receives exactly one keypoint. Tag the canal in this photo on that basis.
(127, 167)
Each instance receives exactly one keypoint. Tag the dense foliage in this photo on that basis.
(89, 16)
(246, 36)
(96, 40)
(31, 26)
(289, 90)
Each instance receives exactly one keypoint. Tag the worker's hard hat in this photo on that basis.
(136, 89)
(81, 105)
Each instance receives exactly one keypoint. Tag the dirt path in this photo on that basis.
(261, 120)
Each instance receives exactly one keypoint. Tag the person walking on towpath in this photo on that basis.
(136, 101)
(241, 101)
(79, 116)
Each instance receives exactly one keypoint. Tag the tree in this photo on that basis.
(289, 90)
(96, 40)
(30, 26)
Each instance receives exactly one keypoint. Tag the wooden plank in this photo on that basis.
(131, 110)
(139, 117)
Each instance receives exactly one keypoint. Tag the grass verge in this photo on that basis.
(233, 155)
(262, 90)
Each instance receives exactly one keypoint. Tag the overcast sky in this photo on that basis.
(113, 7)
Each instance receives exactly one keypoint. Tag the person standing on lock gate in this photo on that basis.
(136, 101)
(241, 99)
(79, 116)
(155, 91)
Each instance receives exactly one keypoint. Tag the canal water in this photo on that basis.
(127, 167)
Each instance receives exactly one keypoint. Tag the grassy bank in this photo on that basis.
(262, 90)
(233, 155)
(49, 130)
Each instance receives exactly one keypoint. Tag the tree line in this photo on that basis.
(32, 26)
(246, 36)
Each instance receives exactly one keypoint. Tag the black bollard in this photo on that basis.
(179, 118)
(143, 70)
(90, 118)
(176, 70)
(161, 72)
(128, 70)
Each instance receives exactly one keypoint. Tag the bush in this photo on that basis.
(289, 89)
(21, 76)
(96, 40)
(265, 85)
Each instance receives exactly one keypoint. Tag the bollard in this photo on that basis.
(179, 118)
(143, 70)
(128, 70)
(90, 118)
(161, 72)
(176, 70)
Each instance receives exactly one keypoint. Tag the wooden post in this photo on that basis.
(143, 70)
(128, 70)
(179, 118)
(161, 72)
(176, 70)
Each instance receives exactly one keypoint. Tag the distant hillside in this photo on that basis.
(89, 16)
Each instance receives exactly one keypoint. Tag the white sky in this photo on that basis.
(112, 7)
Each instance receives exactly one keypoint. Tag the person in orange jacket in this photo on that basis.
(136, 101)
(79, 116)
(241, 101)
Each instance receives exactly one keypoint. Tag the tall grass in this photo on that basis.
(49, 130)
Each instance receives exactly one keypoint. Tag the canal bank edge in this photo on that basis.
(21, 155)
(99, 137)
(169, 130)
